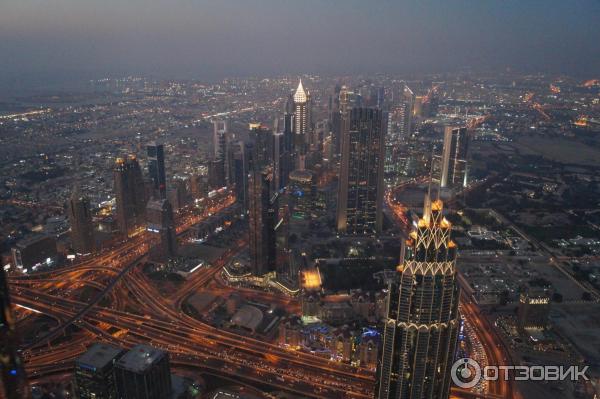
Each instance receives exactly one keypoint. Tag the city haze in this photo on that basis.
(48, 43)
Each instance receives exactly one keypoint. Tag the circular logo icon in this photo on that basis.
(465, 373)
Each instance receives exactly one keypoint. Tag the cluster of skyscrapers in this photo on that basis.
(141, 204)
(421, 327)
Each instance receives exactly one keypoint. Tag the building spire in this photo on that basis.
(300, 95)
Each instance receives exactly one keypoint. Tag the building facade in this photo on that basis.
(161, 222)
(454, 167)
(156, 169)
(80, 219)
(361, 189)
(262, 222)
(302, 189)
(130, 195)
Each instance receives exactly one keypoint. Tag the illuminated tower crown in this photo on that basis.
(300, 96)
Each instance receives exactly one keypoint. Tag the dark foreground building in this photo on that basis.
(422, 321)
(94, 372)
(143, 373)
(13, 384)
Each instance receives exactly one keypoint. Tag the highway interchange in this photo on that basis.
(117, 277)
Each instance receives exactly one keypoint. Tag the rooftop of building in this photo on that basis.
(98, 356)
(140, 358)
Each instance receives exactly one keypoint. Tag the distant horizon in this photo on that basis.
(55, 84)
(64, 41)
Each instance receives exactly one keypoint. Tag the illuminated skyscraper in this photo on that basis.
(156, 169)
(13, 384)
(360, 195)
(262, 222)
(454, 168)
(422, 322)
(302, 123)
(302, 111)
(130, 194)
(406, 109)
(80, 219)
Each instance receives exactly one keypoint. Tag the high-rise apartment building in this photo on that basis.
(156, 169)
(422, 321)
(80, 219)
(130, 195)
(361, 189)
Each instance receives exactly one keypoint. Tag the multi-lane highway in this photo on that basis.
(160, 322)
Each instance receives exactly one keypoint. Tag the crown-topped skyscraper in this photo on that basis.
(302, 122)
(422, 321)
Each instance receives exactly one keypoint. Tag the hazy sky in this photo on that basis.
(55, 40)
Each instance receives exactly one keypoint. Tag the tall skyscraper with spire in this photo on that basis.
(422, 323)
(302, 123)
(80, 219)
(360, 192)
